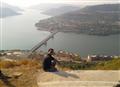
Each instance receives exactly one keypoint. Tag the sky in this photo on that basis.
(27, 3)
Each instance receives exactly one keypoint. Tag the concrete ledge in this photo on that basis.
(79, 78)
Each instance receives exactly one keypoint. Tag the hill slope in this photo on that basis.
(60, 10)
(102, 8)
(108, 65)
(8, 10)
(85, 21)
(47, 6)
(15, 8)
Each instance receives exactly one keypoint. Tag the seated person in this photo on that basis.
(49, 62)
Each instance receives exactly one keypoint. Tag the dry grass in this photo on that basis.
(26, 63)
(27, 68)
(27, 79)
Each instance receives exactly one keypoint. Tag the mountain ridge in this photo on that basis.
(61, 10)
(9, 10)
(86, 22)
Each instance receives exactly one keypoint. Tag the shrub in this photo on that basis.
(7, 64)
(24, 62)
(113, 64)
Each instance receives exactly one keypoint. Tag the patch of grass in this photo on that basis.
(29, 63)
(108, 65)
(27, 79)
(113, 64)
(8, 64)
(28, 69)
(70, 65)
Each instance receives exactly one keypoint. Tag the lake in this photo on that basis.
(19, 32)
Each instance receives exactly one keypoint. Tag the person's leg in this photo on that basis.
(53, 69)
(1, 74)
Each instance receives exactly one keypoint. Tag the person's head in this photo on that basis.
(51, 51)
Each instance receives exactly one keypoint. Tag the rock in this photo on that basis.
(17, 74)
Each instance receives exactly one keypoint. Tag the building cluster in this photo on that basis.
(11, 52)
(67, 56)
(60, 55)
(91, 58)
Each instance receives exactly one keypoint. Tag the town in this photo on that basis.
(60, 55)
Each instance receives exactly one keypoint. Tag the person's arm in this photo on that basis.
(57, 61)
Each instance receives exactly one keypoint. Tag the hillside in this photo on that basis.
(113, 64)
(108, 65)
(28, 73)
(85, 21)
(102, 8)
(15, 8)
(60, 10)
(47, 6)
(9, 10)
(21, 73)
(103, 74)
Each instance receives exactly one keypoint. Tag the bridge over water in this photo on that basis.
(43, 42)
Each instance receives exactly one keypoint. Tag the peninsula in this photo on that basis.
(93, 20)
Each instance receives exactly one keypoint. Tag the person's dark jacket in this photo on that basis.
(47, 63)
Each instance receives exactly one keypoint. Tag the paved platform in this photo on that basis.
(80, 78)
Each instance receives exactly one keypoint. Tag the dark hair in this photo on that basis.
(51, 50)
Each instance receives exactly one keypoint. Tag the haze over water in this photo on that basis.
(19, 32)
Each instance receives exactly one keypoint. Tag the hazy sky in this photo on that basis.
(26, 3)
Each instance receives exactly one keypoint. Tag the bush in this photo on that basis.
(71, 65)
(8, 64)
(24, 62)
(113, 64)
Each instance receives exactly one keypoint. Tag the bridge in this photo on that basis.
(43, 42)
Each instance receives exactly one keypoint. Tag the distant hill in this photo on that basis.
(15, 8)
(102, 8)
(9, 10)
(92, 20)
(60, 10)
(46, 6)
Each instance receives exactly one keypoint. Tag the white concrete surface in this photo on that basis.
(80, 78)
